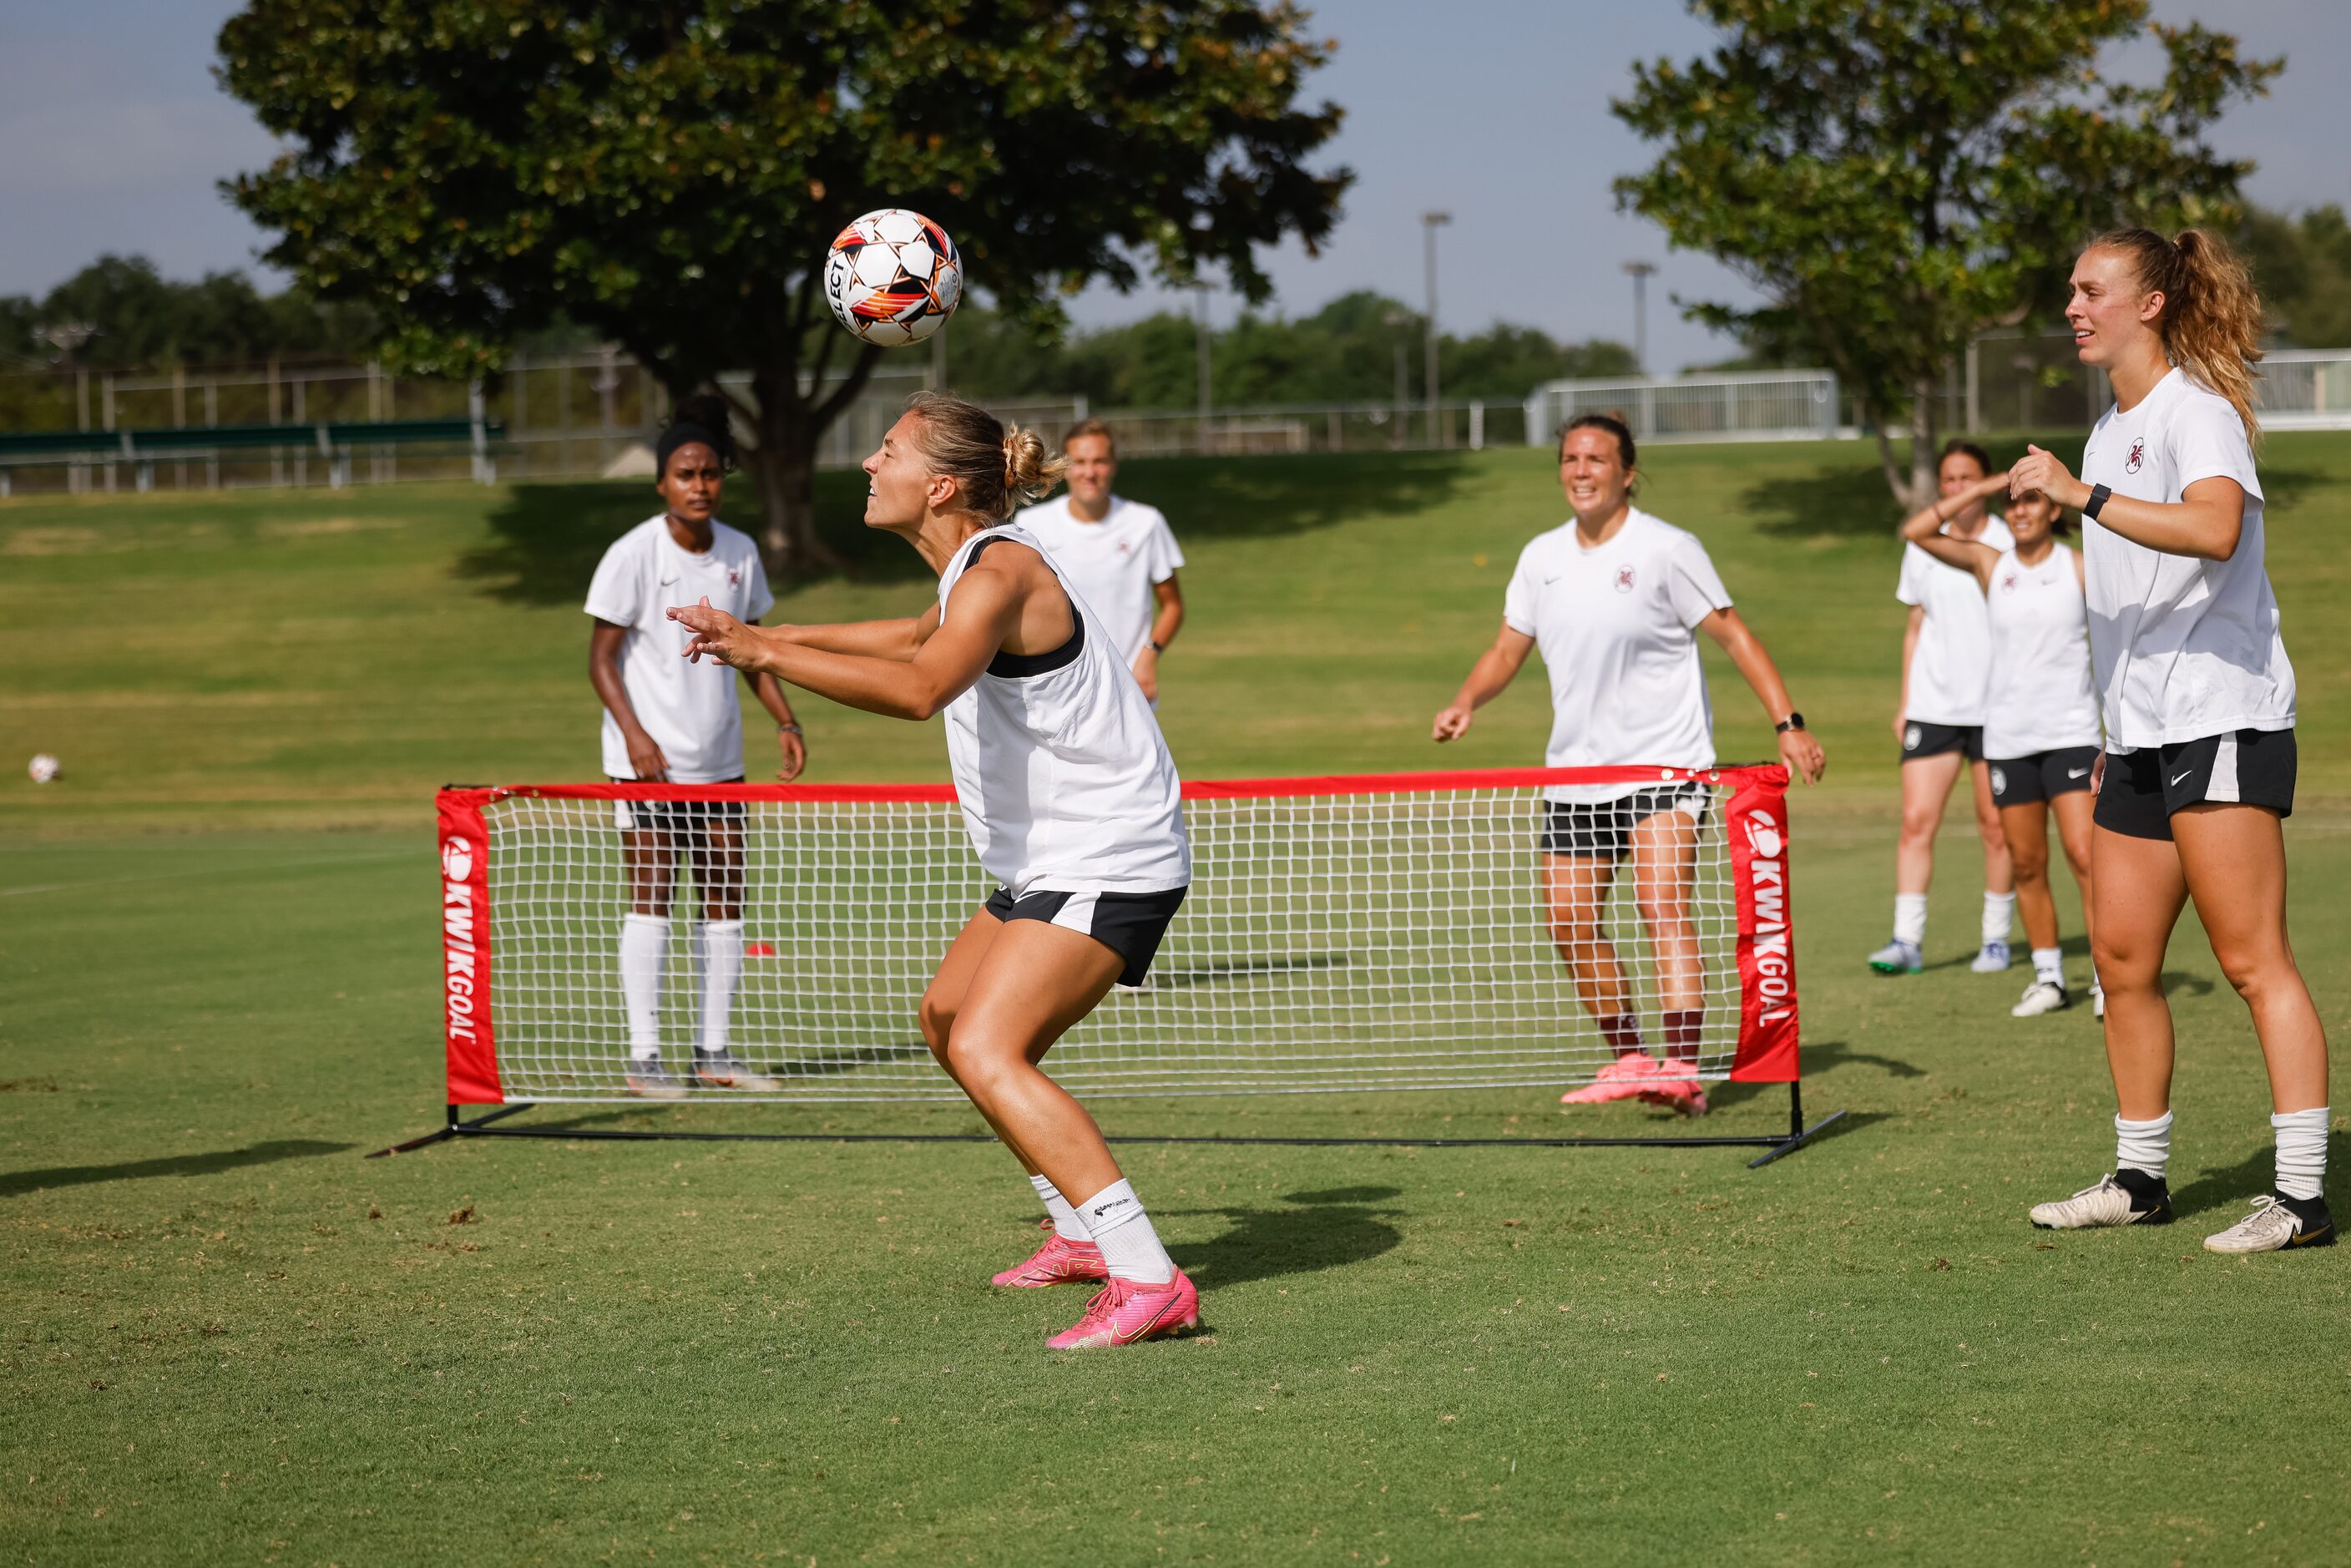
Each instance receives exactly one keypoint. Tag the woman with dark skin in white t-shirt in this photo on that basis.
(1596, 471)
(2197, 701)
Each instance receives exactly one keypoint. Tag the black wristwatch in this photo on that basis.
(1794, 721)
(2091, 507)
(1158, 647)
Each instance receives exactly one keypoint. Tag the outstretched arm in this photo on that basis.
(868, 639)
(1495, 669)
(1798, 749)
(987, 608)
(2204, 524)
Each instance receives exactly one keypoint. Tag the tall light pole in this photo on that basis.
(1641, 271)
(1429, 223)
(1201, 370)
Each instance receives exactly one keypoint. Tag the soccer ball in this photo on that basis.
(893, 278)
(43, 768)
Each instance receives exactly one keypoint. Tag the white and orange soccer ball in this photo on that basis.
(893, 278)
(42, 768)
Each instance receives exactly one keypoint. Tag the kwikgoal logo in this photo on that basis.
(1767, 892)
(460, 920)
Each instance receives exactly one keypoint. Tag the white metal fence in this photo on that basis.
(1752, 405)
(2305, 388)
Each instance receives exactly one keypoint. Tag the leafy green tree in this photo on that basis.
(1895, 176)
(144, 319)
(2302, 267)
(670, 174)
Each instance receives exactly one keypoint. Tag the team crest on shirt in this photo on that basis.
(1127, 547)
(2008, 583)
(734, 577)
(2138, 454)
(1624, 580)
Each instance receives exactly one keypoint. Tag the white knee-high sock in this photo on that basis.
(718, 957)
(2143, 1145)
(644, 953)
(2049, 964)
(1131, 1249)
(1066, 1223)
(1910, 918)
(1999, 915)
(2301, 1152)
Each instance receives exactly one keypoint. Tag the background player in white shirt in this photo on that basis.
(1091, 848)
(1613, 599)
(1120, 555)
(1938, 723)
(666, 721)
(2199, 703)
(2041, 718)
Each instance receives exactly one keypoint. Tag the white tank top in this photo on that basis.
(1065, 782)
(2041, 696)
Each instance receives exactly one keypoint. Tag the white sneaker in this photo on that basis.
(2108, 1203)
(2041, 997)
(2273, 1226)
(1898, 957)
(2098, 1001)
(1991, 958)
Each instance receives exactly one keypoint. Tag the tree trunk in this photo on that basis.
(784, 463)
(1919, 487)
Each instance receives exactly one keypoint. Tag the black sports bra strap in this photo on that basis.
(1013, 667)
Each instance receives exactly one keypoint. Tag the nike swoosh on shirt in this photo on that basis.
(2183, 776)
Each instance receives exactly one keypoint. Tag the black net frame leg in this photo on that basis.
(1774, 1147)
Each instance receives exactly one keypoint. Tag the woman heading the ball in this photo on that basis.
(2198, 702)
(2041, 716)
(1613, 598)
(1071, 802)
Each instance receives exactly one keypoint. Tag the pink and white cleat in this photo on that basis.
(1127, 1311)
(1676, 1088)
(1621, 1079)
(1059, 1261)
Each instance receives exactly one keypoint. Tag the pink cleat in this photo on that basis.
(1676, 1088)
(1059, 1261)
(1621, 1079)
(1127, 1311)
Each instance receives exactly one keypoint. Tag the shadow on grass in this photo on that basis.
(545, 539)
(2234, 1186)
(1328, 1229)
(14, 1183)
(1839, 501)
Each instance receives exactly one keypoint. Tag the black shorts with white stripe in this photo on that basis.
(2142, 789)
(2042, 776)
(1129, 924)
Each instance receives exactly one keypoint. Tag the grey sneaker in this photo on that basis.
(1898, 957)
(2108, 1203)
(648, 1079)
(719, 1070)
(2041, 997)
(2276, 1223)
(1991, 958)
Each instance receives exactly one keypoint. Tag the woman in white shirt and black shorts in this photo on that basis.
(2198, 702)
(1613, 598)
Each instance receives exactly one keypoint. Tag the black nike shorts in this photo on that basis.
(2042, 776)
(1602, 830)
(1921, 739)
(2142, 789)
(678, 818)
(1129, 924)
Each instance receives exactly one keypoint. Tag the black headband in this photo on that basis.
(680, 435)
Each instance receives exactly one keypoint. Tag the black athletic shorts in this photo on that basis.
(1602, 830)
(681, 817)
(1129, 924)
(2246, 766)
(2042, 776)
(1921, 739)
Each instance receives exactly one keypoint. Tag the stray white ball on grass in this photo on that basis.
(43, 768)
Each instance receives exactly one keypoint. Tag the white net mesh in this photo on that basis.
(1407, 940)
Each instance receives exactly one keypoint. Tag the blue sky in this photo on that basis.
(1495, 109)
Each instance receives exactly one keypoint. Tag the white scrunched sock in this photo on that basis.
(2143, 1145)
(1910, 918)
(1066, 1223)
(2301, 1150)
(1999, 915)
(1130, 1247)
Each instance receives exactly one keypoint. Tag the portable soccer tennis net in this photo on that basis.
(1415, 932)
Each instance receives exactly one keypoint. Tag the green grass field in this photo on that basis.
(229, 1338)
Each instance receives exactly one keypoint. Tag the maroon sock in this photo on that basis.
(1683, 1027)
(1621, 1032)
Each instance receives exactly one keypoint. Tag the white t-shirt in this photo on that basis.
(1614, 625)
(1113, 564)
(689, 709)
(1065, 783)
(1950, 667)
(2041, 699)
(2183, 648)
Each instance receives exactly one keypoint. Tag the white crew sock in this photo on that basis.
(1910, 918)
(2143, 1145)
(2301, 1150)
(718, 959)
(1130, 1247)
(1066, 1223)
(644, 953)
(2049, 964)
(2000, 913)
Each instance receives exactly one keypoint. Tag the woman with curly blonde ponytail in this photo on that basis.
(1072, 803)
(2197, 698)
